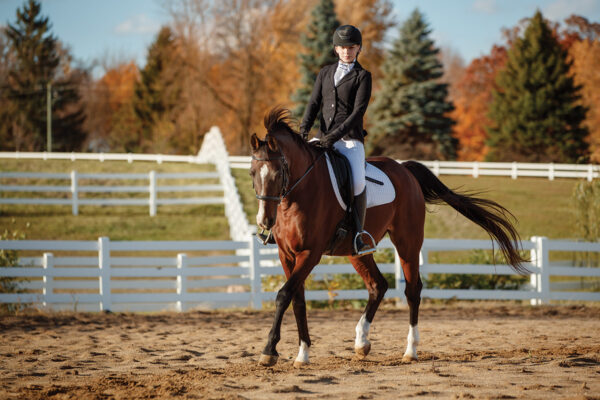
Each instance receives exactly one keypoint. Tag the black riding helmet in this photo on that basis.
(347, 35)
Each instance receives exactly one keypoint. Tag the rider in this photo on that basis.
(342, 92)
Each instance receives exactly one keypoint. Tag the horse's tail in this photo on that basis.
(491, 216)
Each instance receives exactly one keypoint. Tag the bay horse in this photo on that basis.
(297, 203)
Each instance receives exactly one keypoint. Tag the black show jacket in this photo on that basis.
(343, 106)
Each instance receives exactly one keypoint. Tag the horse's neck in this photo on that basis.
(300, 158)
(304, 170)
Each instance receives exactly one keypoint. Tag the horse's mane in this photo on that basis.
(280, 118)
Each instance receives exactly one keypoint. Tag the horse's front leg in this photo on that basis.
(299, 304)
(304, 264)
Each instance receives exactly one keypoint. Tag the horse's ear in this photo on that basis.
(272, 143)
(254, 142)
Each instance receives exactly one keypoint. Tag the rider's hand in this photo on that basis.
(304, 135)
(327, 141)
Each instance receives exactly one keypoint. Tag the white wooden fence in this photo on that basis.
(472, 168)
(213, 151)
(74, 188)
(476, 169)
(130, 275)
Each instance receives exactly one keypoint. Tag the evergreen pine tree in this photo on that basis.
(409, 112)
(37, 56)
(156, 93)
(319, 46)
(535, 111)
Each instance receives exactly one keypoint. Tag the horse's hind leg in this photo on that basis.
(410, 266)
(409, 249)
(376, 286)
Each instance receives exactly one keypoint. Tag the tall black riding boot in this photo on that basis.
(360, 210)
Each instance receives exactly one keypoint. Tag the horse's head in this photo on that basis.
(270, 174)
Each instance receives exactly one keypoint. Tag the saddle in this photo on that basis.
(343, 175)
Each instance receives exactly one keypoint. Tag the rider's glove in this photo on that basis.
(304, 135)
(327, 141)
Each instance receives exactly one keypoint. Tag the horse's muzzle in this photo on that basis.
(266, 224)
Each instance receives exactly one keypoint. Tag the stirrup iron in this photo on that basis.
(370, 250)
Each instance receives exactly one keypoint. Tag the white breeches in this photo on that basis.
(354, 151)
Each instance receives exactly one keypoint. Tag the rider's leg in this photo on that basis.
(354, 151)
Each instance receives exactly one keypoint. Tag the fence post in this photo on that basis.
(182, 263)
(74, 193)
(400, 283)
(544, 261)
(551, 171)
(436, 168)
(152, 189)
(475, 169)
(513, 172)
(540, 280)
(590, 175)
(255, 273)
(534, 278)
(104, 265)
(423, 258)
(48, 289)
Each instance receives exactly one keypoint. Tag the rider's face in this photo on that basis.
(347, 53)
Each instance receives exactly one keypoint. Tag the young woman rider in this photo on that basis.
(342, 92)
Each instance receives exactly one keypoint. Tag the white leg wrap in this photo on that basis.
(412, 341)
(303, 353)
(362, 331)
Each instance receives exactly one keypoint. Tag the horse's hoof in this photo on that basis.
(300, 364)
(267, 361)
(362, 352)
(409, 359)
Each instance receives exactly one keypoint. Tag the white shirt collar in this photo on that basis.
(346, 66)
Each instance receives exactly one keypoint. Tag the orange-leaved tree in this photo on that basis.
(109, 113)
(472, 97)
(585, 55)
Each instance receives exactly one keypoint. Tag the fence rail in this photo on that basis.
(103, 275)
(75, 189)
(472, 168)
(476, 169)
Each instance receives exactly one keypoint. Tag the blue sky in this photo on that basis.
(123, 29)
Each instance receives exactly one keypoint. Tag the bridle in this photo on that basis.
(285, 170)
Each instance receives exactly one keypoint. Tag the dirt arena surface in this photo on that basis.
(467, 351)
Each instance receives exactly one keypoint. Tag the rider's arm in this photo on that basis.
(313, 107)
(361, 102)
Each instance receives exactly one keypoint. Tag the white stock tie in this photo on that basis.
(342, 70)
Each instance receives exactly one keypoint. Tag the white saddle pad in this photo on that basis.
(376, 193)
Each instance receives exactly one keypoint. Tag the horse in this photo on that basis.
(298, 205)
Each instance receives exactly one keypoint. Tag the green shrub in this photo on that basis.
(471, 281)
(586, 199)
(10, 258)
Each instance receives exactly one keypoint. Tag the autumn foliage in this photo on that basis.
(230, 61)
(472, 98)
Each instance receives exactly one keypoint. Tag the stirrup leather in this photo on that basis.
(370, 250)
